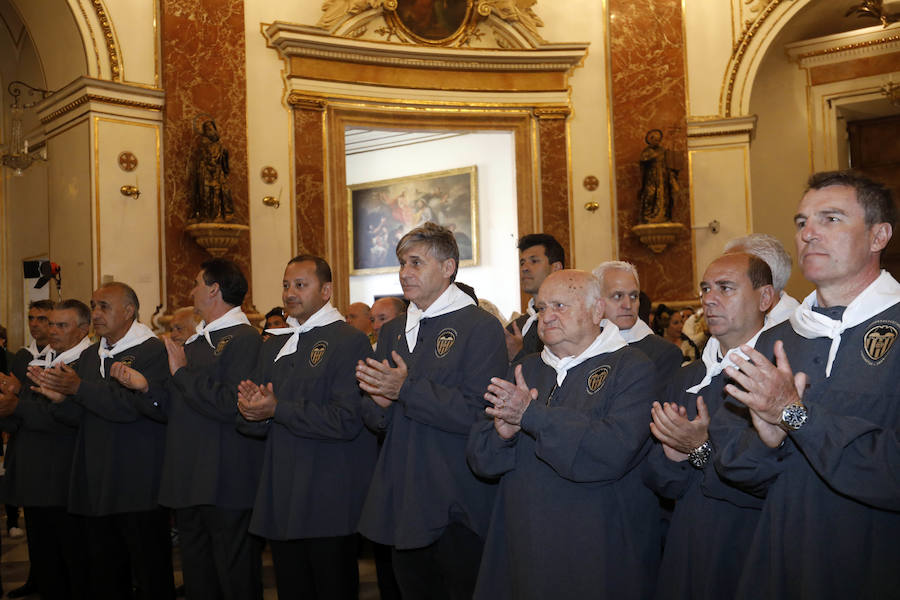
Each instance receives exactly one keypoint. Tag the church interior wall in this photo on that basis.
(493, 154)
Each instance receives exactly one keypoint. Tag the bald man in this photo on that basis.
(384, 310)
(568, 431)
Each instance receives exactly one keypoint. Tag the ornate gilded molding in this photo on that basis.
(95, 98)
(552, 112)
(511, 23)
(108, 37)
(740, 50)
(299, 100)
(842, 47)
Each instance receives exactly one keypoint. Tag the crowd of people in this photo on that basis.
(747, 450)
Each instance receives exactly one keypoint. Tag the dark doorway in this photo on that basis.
(875, 151)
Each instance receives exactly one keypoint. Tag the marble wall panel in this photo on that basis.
(555, 180)
(309, 157)
(203, 73)
(648, 92)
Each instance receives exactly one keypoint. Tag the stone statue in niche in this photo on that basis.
(659, 180)
(211, 193)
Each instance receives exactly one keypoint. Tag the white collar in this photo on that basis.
(532, 316)
(638, 331)
(233, 317)
(452, 299)
(69, 355)
(35, 353)
(137, 334)
(880, 295)
(782, 310)
(326, 315)
(609, 340)
(715, 363)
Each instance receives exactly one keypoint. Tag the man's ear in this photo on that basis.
(881, 235)
(448, 267)
(557, 266)
(767, 298)
(327, 290)
(598, 312)
(215, 290)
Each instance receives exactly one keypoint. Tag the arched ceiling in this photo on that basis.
(53, 30)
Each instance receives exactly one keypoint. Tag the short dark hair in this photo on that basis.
(874, 197)
(552, 248)
(440, 241)
(82, 312)
(3, 333)
(323, 269)
(278, 311)
(230, 278)
(129, 294)
(758, 271)
(41, 304)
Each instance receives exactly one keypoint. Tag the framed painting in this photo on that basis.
(433, 21)
(382, 212)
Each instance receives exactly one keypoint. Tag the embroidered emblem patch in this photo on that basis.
(220, 347)
(125, 360)
(445, 341)
(317, 352)
(597, 378)
(878, 341)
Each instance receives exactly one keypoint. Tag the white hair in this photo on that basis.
(770, 250)
(601, 269)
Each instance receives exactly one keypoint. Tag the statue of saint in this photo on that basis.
(212, 195)
(659, 181)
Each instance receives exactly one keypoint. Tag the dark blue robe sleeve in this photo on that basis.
(211, 389)
(490, 455)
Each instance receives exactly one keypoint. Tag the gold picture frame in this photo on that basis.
(434, 22)
(381, 212)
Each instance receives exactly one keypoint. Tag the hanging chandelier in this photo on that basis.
(16, 155)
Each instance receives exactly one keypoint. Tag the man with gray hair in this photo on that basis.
(568, 431)
(772, 251)
(621, 289)
(426, 386)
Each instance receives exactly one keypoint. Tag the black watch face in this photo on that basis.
(794, 416)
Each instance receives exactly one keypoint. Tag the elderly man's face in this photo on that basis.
(111, 314)
(566, 322)
(383, 310)
(182, 327)
(358, 315)
(620, 290)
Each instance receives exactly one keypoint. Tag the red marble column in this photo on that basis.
(554, 175)
(309, 165)
(648, 92)
(204, 72)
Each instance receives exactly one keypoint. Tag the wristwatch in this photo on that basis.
(699, 456)
(793, 416)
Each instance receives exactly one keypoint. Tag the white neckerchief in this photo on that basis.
(326, 315)
(638, 331)
(451, 300)
(879, 296)
(137, 334)
(782, 310)
(532, 317)
(233, 317)
(609, 340)
(69, 355)
(38, 357)
(714, 366)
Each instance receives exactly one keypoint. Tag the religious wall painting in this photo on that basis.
(382, 212)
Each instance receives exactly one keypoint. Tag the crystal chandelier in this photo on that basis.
(16, 155)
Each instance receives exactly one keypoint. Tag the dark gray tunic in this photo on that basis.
(38, 465)
(531, 343)
(665, 355)
(422, 482)
(207, 462)
(830, 524)
(318, 454)
(572, 518)
(713, 522)
(121, 438)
